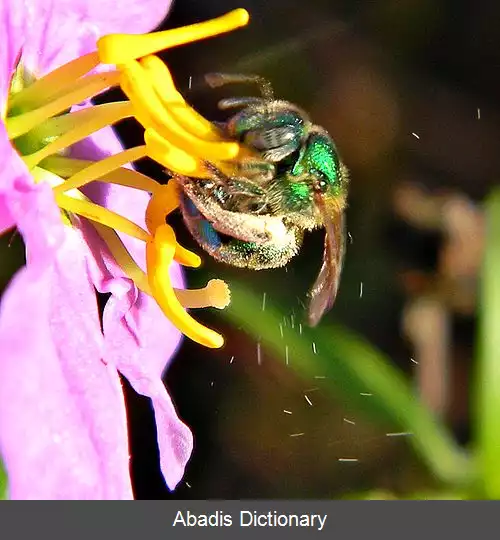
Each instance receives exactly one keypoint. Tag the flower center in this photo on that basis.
(42, 126)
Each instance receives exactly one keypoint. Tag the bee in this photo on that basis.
(257, 217)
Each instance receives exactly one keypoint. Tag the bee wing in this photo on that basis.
(325, 287)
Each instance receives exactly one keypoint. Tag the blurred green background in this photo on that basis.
(396, 393)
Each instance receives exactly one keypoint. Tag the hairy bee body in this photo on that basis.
(257, 217)
(258, 242)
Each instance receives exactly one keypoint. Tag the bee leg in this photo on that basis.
(241, 252)
(258, 256)
(217, 175)
(219, 79)
(247, 227)
(258, 170)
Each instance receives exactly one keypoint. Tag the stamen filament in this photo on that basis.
(122, 256)
(163, 202)
(122, 176)
(79, 91)
(101, 215)
(111, 168)
(108, 114)
(159, 257)
(63, 166)
(166, 91)
(51, 84)
(122, 48)
(172, 157)
(144, 97)
(79, 132)
(215, 294)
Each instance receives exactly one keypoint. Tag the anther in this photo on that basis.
(172, 157)
(159, 256)
(141, 92)
(122, 48)
(165, 88)
(215, 294)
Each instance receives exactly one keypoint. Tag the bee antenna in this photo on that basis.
(215, 80)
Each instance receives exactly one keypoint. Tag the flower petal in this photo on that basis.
(12, 25)
(143, 365)
(60, 30)
(139, 340)
(107, 275)
(63, 430)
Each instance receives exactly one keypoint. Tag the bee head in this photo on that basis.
(317, 172)
(275, 130)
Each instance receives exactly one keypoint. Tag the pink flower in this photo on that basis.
(63, 429)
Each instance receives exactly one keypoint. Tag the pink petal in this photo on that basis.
(63, 432)
(60, 30)
(140, 341)
(14, 179)
(142, 364)
(12, 31)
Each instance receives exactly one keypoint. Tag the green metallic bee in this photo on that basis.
(256, 218)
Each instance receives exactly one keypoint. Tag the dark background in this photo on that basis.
(408, 89)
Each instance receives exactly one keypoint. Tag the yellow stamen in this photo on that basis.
(108, 114)
(122, 48)
(159, 257)
(166, 91)
(64, 166)
(173, 158)
(162, 203)
(186, 257)
(216, 294)
(110, 170)
(164, 200)
(121, 255)
(79, 132)
(144, 97)
(102, 215)
(55, 82)
(124, 259)
(82, 89)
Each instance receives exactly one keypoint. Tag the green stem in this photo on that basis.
(487, 384)
(351, 366)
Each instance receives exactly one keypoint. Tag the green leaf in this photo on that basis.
(353, 367)
(381, 495)
(3, 482)
(487, 384)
